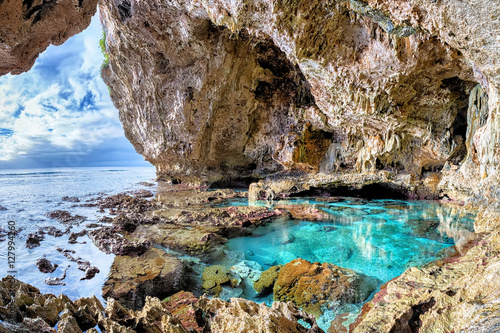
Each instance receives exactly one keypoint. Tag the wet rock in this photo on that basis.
(106, 219)
(65, 217)
(33, 239)
(93, 225)
(128, 223)
(305, 212)
(241, 315)
(108, 240)
(154, 273)
(214, 277)
(141, 194)
(56, 281)
(70, 199)
(74, 236)
(53, 231)
(146, 184)
(315, 287)
(45, 266)
(126, 203)
(265, 283)
(2, 208)
(90, 272)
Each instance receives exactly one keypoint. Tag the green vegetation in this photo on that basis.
(102, 44)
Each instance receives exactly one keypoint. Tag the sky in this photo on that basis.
(60, 114)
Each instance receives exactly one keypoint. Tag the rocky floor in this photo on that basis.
(149, 235)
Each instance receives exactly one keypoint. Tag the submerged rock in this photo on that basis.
(264, 285)
(56, 281)
(315, 287)
(33, 239)
(155, 272)
(214, 277)
(64, 216)
(70, 199)
(45, 266)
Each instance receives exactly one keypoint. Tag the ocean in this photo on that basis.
(28, 194)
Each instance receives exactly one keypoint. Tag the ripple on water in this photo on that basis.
(379, 238)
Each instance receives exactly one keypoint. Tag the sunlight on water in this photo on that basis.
(379, 238)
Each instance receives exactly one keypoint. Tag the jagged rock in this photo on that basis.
(108, 240)
(126, 203)
(45, 266)
(315, 287)
(141, 194)
(182, 305)
(241, 315)
(131, 279)
(53, 231)
(65, 217)
(74, 236)
(33, 239)
(367, 93)
(440, 297)
(68, 324)
(28, 28)
(264, 285)
(56, 281)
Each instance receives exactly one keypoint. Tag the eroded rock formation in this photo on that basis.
(211, 90)
(28, 27)
(24, 309)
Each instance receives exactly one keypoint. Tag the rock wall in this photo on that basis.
(214, 89)
(28, 27)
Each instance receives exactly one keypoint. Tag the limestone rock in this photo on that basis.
(454, 294)
(315, 287)
(243, 90)
(241, 315)
(131, 279)
(28, 28)
(182, 305)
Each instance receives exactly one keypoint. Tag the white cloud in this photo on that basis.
(60, 104)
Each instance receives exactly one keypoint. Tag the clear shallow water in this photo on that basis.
(29, 194)
(368, 236)
(379, 238)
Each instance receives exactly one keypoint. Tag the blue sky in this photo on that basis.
(59, 114)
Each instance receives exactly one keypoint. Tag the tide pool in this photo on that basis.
(379, 238)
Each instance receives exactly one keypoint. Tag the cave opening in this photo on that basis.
(369, 191)
(460, 91)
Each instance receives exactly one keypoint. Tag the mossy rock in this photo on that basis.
(213, 277)
(264, 285)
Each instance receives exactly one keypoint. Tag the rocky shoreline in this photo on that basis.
(139, 231)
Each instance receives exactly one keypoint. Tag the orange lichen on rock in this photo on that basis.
(315, 286)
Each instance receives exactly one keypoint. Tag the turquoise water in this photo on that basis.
(379, 238)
